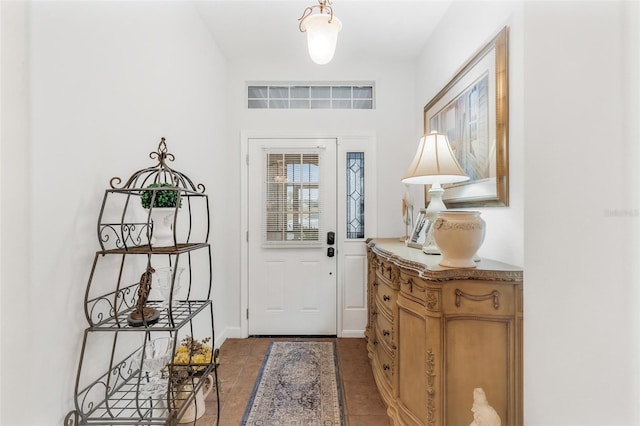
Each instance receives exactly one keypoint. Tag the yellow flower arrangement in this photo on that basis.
(191, 358)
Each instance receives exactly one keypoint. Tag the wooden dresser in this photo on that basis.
(436, 333)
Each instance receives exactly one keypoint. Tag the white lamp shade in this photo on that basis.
(434, 162)
(322, 36)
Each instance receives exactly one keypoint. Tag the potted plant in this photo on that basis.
(165, 198)
(162, 212)
(189, 363)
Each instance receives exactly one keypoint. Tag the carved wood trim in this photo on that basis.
(371, 258)
(408, 282)
(433, 300)
(411, 285)
(495, 295)
(431, 391)
(388, 271)
(394, 274)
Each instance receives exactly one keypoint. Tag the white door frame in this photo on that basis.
(366, 138)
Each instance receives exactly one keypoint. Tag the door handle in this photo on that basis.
(331, 238)
(331, 252)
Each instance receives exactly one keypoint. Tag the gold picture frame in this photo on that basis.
(473, 111)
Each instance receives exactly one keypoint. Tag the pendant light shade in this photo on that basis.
(322, 36)
(322, 32)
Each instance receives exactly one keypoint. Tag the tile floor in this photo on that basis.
(240, 362)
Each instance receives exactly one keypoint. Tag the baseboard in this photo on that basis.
(227, 333)
(236, 333)
(352, 333)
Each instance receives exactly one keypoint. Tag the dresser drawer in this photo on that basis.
(384, 326)
(478, 298)
(386, 297)
(386, 273)
(413, 287)
(385, 361)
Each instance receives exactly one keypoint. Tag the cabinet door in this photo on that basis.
(479, 343)
(477, 357)
(412, 366)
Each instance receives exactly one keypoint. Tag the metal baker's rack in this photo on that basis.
(124, 312)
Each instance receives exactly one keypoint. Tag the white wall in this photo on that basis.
(14, 181)
(573, 117)
(392, 122)
(581, 260)
(466, 27)
(107, 80)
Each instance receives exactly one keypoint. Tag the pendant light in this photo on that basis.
(322, 31)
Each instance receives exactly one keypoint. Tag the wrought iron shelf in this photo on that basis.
(113, 365)
(123, 405)
(170, 320)
(148, 249)
(110, 308)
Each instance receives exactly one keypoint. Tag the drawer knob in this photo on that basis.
(385, 332)
(375, 283)
(375, 341)
(385, 367)
(386, 298)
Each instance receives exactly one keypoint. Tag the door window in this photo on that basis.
(292, 199)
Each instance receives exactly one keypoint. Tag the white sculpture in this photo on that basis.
(483, 413)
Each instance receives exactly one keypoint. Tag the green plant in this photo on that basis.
(164, 198)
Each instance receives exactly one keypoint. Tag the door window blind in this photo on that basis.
(291, 199)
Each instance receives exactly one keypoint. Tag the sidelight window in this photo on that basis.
(355, 195)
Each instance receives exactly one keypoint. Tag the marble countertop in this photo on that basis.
(427, 264)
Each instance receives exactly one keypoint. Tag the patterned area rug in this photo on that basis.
(297, 385)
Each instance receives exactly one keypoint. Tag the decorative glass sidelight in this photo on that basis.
(355, 195)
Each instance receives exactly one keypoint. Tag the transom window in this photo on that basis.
(301, 96)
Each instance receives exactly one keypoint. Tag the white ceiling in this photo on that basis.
(268, 29)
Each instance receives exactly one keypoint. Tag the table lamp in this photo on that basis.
(434, 164)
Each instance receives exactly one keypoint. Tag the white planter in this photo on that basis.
(197, 406)
(162, 219)
(459, 235)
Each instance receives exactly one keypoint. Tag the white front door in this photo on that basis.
(292, 273)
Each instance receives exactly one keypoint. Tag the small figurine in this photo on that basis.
(483, 413)
(144, 314)
(407, 212)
